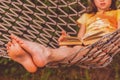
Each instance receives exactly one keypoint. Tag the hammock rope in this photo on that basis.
(108, 45)
(43, 21)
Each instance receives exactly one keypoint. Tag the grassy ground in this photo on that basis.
(14, 71)
(10, 70)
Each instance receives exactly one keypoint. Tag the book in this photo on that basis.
(71, 41)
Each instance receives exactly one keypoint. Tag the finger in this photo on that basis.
(64, 33)
(59, 40)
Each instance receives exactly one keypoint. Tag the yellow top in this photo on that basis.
(98, 25)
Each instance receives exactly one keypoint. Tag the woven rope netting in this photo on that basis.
(40, 21)
(43, 20)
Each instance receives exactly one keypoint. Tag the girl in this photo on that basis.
(103, 18)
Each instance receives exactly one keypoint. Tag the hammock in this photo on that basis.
(43, 20)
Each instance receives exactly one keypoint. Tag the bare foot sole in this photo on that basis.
(19, 55)
(38, 52)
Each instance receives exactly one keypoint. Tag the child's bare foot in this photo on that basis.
(38, 52)
(20, 56)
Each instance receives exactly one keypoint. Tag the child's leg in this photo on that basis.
(42, 55)
(19, 55)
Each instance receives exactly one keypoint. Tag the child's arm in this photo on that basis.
(69, 40)
(118, 24)
(82, 31)
(118, 18)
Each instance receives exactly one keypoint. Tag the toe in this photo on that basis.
(9, 50)
(13, 36)
(8, 45)
(14, 42)
(17, 39)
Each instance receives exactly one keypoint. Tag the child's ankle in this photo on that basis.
(48, 55)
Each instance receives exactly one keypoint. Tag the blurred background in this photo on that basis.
(10, 70)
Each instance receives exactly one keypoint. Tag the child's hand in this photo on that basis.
(62, 37)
